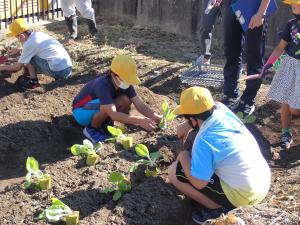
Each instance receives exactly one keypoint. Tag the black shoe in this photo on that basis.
(205, 214)
(26, 83)
(231, 103)
(93, 28)
(286, 140)
(246, 109)
(72, 26)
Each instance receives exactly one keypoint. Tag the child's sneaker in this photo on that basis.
(286, 140)
(95, 135)
(205, 214)
(27, 83)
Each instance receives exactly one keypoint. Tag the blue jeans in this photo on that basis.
(235, 40)
(43, 66)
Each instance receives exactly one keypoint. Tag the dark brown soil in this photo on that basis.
(39, 123)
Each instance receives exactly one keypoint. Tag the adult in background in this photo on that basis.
(211, 9)
(234, 41)
(225, 168)
(85, 8)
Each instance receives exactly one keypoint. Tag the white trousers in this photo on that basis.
(83, 6)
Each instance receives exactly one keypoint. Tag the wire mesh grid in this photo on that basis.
(208, 75)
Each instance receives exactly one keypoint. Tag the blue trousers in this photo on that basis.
(235, 42)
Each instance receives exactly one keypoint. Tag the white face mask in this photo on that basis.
(123, 85)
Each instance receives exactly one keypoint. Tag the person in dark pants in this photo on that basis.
(234, 41)
(207, 25)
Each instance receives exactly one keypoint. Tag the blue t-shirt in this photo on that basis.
(291, 34)
(101, 88)
(224, 146)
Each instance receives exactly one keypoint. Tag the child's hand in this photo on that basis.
(256, 21)
(13, 51)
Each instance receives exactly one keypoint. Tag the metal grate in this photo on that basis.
(208, 75)
(33, 10)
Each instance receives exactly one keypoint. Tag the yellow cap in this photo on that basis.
(18, 26)
(125, 67)
(194, 100)
(292, 2)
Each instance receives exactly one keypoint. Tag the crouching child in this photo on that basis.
(40, 52)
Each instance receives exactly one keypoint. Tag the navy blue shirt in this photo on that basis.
(289, 34)
(101, 88)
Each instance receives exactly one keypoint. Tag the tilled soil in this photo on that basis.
(39, 123)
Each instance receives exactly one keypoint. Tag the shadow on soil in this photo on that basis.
(49, 144)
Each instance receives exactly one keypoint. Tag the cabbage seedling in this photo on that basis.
(168, 115)
(58, 210)
(120, 186)
(35, 178)
(119, 137)
(246, 119)
(150, 162)
(89, 149)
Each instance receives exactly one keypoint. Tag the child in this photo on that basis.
(108, 98)
(40, 51)
(285, 87)
(225, 168)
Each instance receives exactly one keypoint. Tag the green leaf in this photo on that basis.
(142, 150)
(32, 167)
(240, 115)
(98, 146)
(88, 144)
(155, 156)
(56, 211)
(171, 116)
(165, 106)
(115, 177)
(115, 132)
(134, 167)
(117, 195)
(250, 119)
(82, 150)
(124, 186)
(108, 190)
(42, 216)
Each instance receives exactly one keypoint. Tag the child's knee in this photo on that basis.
(172, 172)
(295, 112)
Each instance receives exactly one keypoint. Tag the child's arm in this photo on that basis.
(12, 68)
(277, 52)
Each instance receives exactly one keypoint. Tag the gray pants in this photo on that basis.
(206, 28)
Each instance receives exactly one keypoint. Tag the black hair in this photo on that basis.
(28, 32)
(201, 116)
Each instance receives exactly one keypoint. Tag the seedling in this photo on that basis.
(118, 136)
(120, 186)
(168, 115)
(57, 211)
(150, 162)
(88, 149)
(35, 178)
(246, 119)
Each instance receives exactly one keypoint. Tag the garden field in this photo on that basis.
(39, 123)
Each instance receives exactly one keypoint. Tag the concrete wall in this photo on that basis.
(178, 16)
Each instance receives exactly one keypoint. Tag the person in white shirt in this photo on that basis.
(40, 52)
(86, 10)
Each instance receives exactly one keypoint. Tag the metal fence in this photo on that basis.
(33, 10)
